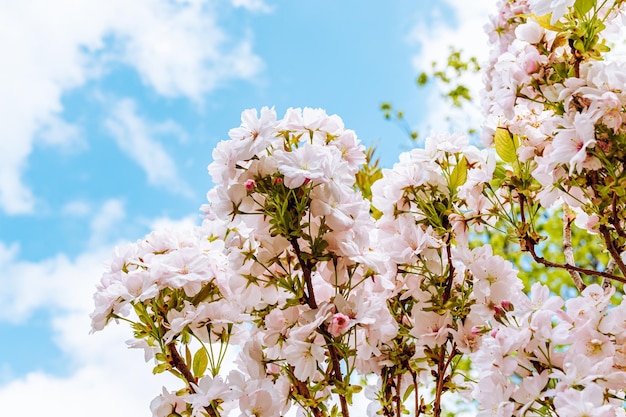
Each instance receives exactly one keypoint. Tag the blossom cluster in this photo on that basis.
(324, 295)
(548, 85)
(567, 356)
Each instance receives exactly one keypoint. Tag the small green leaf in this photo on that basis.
(579, 45)
(422, 79)
(459, 174)
(160, 368)
(200, 362)
(505, 145)
(187, 355)
(545, 22)
(408, 392)
(582, 7)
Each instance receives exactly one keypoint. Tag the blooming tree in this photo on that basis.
(336, 283)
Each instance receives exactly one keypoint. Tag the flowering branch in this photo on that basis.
(178, 363)
(530, 247)
(304, 274)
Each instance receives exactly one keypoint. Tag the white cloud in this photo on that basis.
(135, 137)
(176, 47)
(77, 208)
(111, 213)
(436, 35)
(165, 223)
(104, 378)
(258, 6)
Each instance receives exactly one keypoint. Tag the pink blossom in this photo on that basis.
(339, 323)
(249, 184)
(301, 165)
(167, 403)
(305, 357)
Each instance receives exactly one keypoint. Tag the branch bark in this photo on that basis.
(530, 247)
(179, 363)
(568, 250)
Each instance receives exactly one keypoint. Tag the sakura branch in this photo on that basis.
(318, 282)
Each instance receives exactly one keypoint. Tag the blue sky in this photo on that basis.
(110, 113)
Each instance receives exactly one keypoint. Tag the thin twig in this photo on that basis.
(610, 266)
(306, 273)
(568, 250)
(606, 234)
(616, 220)
(440, 381)
(310, 300)
(418, 409)
(530, 248)
(334, 359)
(179, 363)
(398, 395)
(303, 390)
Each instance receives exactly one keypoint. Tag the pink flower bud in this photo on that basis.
(338, 324)
(477, 330)
(498, 313)
(278, 181)
(250, 184)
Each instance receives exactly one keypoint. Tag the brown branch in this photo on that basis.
(568, 250)
(306, 272)
(398, 394)
(616, 220)
(303, 390)
(336, 365)
(610, 266)
(179, 364)
(388, 384)
(441, 363)
(310, 300)
(530, 248)
(606, 235)
(418, 408)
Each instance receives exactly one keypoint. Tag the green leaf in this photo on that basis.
(582, 7)
(187, 355)
(200, 362)
(422, 79)
(505, 145)
(544, 22)
(459, 174)
(160, 368)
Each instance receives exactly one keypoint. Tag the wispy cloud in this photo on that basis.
(177, 48)
(137, 139)
(102, 376)
(258, 6)
(57, 282)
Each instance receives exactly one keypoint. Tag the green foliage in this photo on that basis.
(368, 174)
(506, 145)
(449, 78)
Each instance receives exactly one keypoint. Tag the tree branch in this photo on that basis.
(606, 235)
(568, 250)
(306, 272)
(616, 220)
(530, 248)
(179, 363)
(303, 390)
